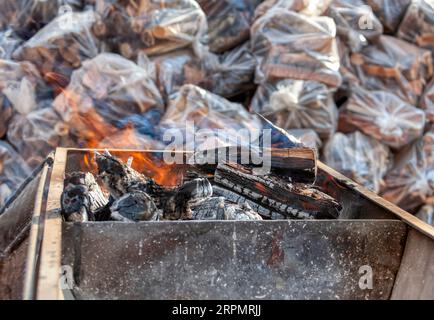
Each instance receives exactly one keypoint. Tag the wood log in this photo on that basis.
(299, 201)
(133, 207)
(218, 208)
(81, 197)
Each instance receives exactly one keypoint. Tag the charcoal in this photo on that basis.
(81, 197)
(13, 171)
(228, 22)
(410, 183)
(297, 104)
(383, 116)
(150, 27)
(394, 65)
(217, 208)
(61, 46)
(359, 157)
(417, 25)
(289, 45)
(133, 207)
(390, 12)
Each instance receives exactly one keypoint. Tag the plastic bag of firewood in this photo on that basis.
(359, 157)
(307, 137)
(310, 8)
(228, 22)
(27, 17)
(8, 43)
(152, 27)
(21, 87)
(411, 181)
(355, 22)
(297, 104)
(383, 116)
(394, 65)
(426, 214)
(36, 134)
(13, 171)
(418, 24)
(193, 108)
(390, 12)
(291, 45)
(427, 101)
(104, 94)
(61, 46)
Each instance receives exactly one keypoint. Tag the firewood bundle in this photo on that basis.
(383, 116)
(394, 65)
(411, 181)
(150, 27)
(289, 45)
(37, 133)
(307, 137)
(427, 101)
(104, 94)
(228, 22)
(21, 88)
(390, 12)
(355, 22)
(417, 26)
(61, 46)
(310, 8)
(297, 104)
(13, 171)
(359, 157)
(27, 17)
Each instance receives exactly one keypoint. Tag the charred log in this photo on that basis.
(218, 208)
(133, 207)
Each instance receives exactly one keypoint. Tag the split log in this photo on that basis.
(81, 197)
(298, 201)
(217, 208)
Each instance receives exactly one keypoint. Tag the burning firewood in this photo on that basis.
(61, 46)
(228, 22)
(297, 104)
(394, 65)
(150, 27)
(81, 197)
(417, 25)
(289, 45)
(383, 116)
(294, 200)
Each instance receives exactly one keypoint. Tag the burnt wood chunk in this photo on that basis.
(134, 206)
(298, 201)
(218, 208)
(81, 197)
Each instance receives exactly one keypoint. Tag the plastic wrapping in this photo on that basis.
(390, 12)
(355, 22)
(151, 26)
(36, 134)
(383, 116)
(359, 157)
(426, 214)
(27, 17)
(394, 65)
(104, 95)
(307, 137)
(8, 43)
(21, 87)
(307, 7)
(228, 22)
(13, 171)
(61, 46)
(411, 182)
(205, 110)
(418, 24)
(427, 101)
(292, 104)
(289, 45)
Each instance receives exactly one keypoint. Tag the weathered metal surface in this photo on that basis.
(233, 260)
